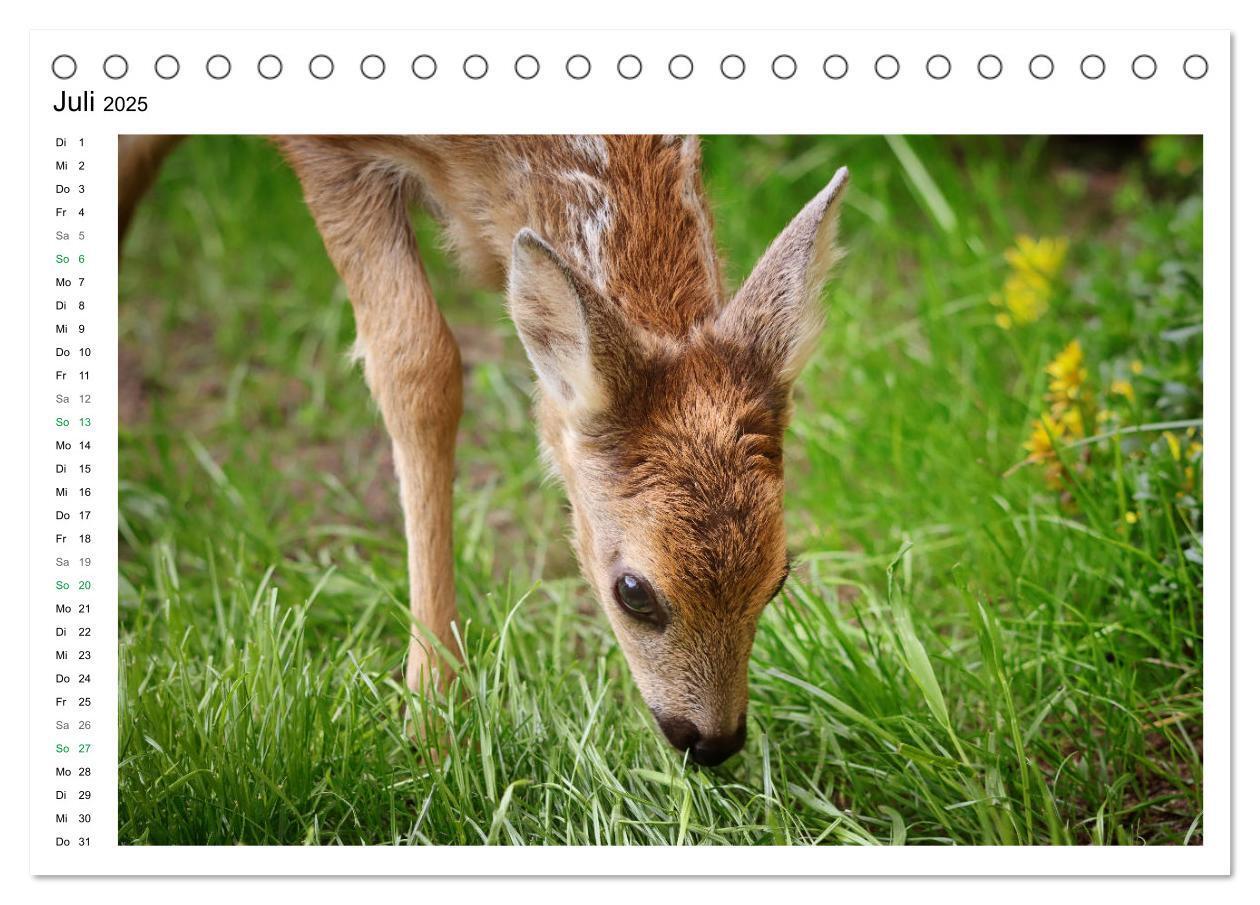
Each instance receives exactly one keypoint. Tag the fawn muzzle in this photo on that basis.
(707, 750)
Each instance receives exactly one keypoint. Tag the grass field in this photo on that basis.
(993, 629)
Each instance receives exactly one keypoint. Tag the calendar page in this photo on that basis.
(630, 451)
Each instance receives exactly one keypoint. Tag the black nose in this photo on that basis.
(705, 750)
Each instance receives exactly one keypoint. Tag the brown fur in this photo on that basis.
(662, 405)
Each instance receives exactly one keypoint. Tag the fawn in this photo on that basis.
(661, 402)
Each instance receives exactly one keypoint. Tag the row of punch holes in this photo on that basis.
(680, 66)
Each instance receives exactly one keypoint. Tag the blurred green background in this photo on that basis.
(1006, 404)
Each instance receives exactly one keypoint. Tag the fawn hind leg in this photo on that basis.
(411, 362)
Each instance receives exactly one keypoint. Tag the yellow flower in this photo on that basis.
(1067, 374)
(1025, 294)
(1021, 301)
(1069, 414)
(1073, 423)
(1122, 388)
(1046, 434)
(1136, 366)
(1131, 517)
(1037, 257)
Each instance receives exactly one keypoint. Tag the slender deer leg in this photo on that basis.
(411, 361)
(139, 159)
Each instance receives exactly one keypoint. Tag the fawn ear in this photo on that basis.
(776, 313)
(576, 338)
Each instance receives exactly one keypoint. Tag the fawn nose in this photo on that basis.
(705, 750)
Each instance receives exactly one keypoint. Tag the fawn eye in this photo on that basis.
(635, 596)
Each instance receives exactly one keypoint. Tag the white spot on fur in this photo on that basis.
(593, 148)
(594, 229)
(591, 186)
(592, 222)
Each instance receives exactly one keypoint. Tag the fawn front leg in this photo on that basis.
(411, 362)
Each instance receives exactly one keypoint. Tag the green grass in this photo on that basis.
(963, 655)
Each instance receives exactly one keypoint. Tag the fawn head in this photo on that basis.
(670, 447)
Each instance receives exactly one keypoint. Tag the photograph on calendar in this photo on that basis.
(660, 489)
